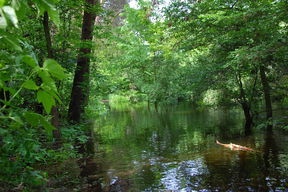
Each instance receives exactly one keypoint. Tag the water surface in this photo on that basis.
(174, 150)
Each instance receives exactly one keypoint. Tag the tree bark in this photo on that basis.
(245, 106)
(80, 89)
(248, 118)
(47, 35)
(266, 90)
(54, 111)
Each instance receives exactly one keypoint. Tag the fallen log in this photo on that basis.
(235, 147)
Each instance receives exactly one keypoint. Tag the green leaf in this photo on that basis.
(36, 119)
(46, 100)
(48, 127)
(52, 90)
(2, 83)
(48, 83)
(29, 60)
(10, 43)
(54, 68)
(3, 22)
(46, 5)
(32, 118)
(16, 4)
(21, 7)
(10, 14)
(2, 2)
(13, 43)
(29, 84)
(53, 14)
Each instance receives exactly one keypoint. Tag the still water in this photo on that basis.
(174, 149)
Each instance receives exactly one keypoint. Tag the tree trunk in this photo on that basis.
(156, 106)
(80, 89)
(245, 106)
(54, 111)
(266, 90)
(47, 35)
(248, 118)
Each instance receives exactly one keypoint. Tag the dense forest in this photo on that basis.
(65, 63)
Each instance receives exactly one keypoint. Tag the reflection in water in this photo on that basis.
(175, 150)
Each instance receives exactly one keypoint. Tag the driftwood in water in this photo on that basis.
(235, 147)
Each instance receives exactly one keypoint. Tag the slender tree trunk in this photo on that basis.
(54, 112)
(266, 90)
(245, 106)
(80, 89)
(47, 35)
(248, 117)
(148, 104)
(156, 106)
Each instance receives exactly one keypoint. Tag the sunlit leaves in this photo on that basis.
(47, 91)
(54, 69)
(23, 82)
(9, 13)
(2, 2)
(3, 22)
(48, 94)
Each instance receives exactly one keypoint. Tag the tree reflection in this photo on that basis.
(175, 150)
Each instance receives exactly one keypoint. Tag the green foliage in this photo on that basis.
(285, 128)
(118, 99)
(229, 42)
(8, 15)
(25, 136)
(46, 99)
(54, 69)
(208, 52)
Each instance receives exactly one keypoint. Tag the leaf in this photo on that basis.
(29, 84)
(32, 118)
(3, 23)
(53, 14)
(36, 119)
(29, 60)
(11, 15)
(2, 2)
(46, 100)
(52, 11)
(16, 4)
(2, 84)
(48, 83)
(21, 7)
(54, 68)
(10, 43)
(51, 90)
(48, 127)
(46, 5)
